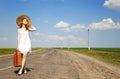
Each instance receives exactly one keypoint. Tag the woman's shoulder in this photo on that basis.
(18, 29)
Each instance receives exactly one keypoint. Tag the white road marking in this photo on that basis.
(44, 54)
(6, 68)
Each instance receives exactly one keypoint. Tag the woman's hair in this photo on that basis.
(20, 19)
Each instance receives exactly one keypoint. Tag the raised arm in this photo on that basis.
(32, 28)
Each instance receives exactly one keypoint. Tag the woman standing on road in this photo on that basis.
(24, 43)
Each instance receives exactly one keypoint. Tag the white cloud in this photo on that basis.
(66, 27)
(77, 27)
(58, 40)
(75, 40)
(72, 40)
(66, 41)
(36, 40)
(105, 24)
(62, 24)
(55, 38)
(39, 34)
(113, 4)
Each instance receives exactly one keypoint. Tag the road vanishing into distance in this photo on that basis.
(59, 64)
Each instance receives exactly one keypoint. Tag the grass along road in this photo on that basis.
(110, 55)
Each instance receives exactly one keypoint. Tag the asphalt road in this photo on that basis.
(57, 64)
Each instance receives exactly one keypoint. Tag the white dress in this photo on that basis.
(24, 43)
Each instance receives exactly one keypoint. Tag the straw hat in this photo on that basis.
(20, 18)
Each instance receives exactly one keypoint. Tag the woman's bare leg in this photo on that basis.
(25, 71)
(23, 63)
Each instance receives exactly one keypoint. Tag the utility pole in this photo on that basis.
(68, 44)
(88, 39)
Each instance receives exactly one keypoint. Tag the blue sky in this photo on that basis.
(63, 23)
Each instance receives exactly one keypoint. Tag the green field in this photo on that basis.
(6, 51)
(111, 55)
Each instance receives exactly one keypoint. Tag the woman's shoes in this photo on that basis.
(22, 71)
(19, 73)
(25, 71)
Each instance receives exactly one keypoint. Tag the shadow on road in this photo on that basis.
(16, 71)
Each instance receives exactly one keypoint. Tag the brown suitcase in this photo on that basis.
(17, 58)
